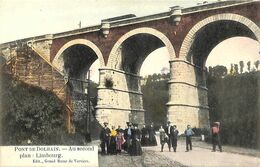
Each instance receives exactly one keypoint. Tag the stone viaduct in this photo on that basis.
(121, 44)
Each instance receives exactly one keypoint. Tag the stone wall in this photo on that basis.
(123, 101)
(30, 68)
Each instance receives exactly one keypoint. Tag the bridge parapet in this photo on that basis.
(214, 5)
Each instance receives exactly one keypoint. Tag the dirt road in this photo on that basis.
(198, 157)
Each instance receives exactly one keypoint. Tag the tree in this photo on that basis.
(155, 96)
(219, 71)
(232, 101)
(248, 66)
(241, 64)
(257, 64)
(232, 69)
(236, 69)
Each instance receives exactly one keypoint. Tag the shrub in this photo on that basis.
(30, 113)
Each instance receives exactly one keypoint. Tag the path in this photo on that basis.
(198, 157)
(201, 157)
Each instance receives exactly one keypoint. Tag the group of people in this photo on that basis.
(169, 135)
(129, 139)
(148, 136)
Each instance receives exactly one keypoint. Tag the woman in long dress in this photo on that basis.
(152, 139)
(135, 148)
(145, 136)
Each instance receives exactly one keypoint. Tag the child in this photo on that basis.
(163, 138)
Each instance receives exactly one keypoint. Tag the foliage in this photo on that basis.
(233, 102)
(231, 69)
(241, 64)
(248, 66)
(236, 69)
(30, 113)
(257, 64)
(155, 96)
(200, 131)
(218, 71)
(109, 82)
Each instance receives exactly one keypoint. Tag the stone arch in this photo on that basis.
(186, 45)
(113, 56)
(123, 102)
(58, 61)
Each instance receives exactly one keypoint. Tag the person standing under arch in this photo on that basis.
(168, 129)
(112, 143)
(188, 133)
(135, 147)
(174, 136)
(128, 136)
(145, 136)
(119, 139)
(163, 138)
(152, 139)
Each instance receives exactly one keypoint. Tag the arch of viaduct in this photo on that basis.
(189, 34)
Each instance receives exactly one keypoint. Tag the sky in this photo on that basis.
(234, 50)
(26, 18)
(229, 51)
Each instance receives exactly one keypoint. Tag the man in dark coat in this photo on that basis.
(168, 129)
(174, 136)
(104, 138)
(128, 136)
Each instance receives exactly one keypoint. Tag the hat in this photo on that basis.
(128, 123)
(105, 123)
